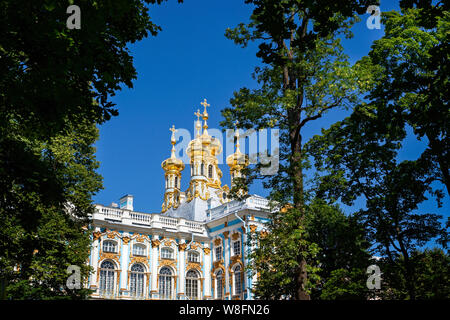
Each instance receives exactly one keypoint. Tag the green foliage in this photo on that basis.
(344, 253)
(44, 225)
(51, 73)
(430, 280)
(305, 74)
(277, 258)
(356, 157)
(413, 80)
(56, 85)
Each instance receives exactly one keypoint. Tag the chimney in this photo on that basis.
(126, 202)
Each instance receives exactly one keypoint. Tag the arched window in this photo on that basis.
(193, 256)
(139, 250)
(106, 278)
(237, 280)
(237, 247)
(202, 169)
(166, 253)
(219, 284)
(192, 285)
(137, 281)
(109, 246)
(165, 283)
(176, 182)
(210, 171)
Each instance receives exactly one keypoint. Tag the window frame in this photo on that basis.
(139, 245)
(239, 277)
(234, 247)
(193, 253)
(219, 247)
(165, 282)
(190, 287)
(138, 278)
(106, 286)
(167, 249)
(114, 245)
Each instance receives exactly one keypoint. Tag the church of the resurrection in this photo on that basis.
(195, 248)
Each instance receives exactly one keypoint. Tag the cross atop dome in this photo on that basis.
(205, 104)
(198, 125)
(173, 134)
(205, 116)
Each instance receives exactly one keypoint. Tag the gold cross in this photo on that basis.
(205, 104)
(173, 129)
(198, 114)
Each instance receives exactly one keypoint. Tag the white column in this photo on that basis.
(154, 260)
(226, 247)
(124, 264)
(94, 261)
(182, 267)
(207, 276)
(245, 251)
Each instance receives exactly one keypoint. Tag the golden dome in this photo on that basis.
(173, 163)
(238, 159)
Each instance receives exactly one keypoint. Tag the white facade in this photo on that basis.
(139, 255)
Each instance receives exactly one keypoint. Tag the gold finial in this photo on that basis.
(198, 124)
(173, 141)
(198, 114)
(205, 104)
(205, 116)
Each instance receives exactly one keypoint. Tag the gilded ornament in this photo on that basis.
(156, 243)
(96, 235)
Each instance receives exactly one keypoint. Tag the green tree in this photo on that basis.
(305, 74)
(360, 153)
(56, 84)
(344, 253)
(52, 74)
(413, 82)
(47, 228)
(355, 157)
(432, 267)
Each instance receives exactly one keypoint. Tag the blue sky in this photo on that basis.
(188, 61)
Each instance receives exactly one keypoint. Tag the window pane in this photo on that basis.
(165, 283)
(139, 250)
(237, 248)
(237, 280)
(219, 284)
(109, 246)
(166, 253)
(106, 278)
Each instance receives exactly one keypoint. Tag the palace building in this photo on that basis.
(195, 248)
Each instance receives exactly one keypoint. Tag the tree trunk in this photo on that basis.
(297, 174)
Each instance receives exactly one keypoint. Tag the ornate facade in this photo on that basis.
(195, 248)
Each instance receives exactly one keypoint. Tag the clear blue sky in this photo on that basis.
(188, 61)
